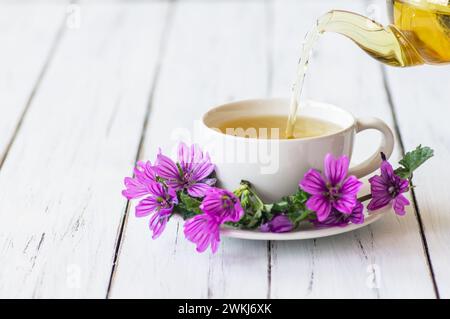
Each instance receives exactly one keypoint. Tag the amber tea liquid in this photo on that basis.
(426, 26)
(274, 127)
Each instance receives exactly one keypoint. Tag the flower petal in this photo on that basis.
(387, 172)
(335, 169)
(210, 181)
(134, 188)
(320, 205)
(378, 185)
(237, 214)
(214, 240)
(403, 184)
(157, 189)
(222, 205)
(265, 228)
(196, 154)
(212, 206)
(313, 183)
(399, 204)
(198, 189)
(183, 154)
(351, 186)
(145, 172)
(357, 216)
(278, 224)
(334, 219)
(157, 224)
(165, 211)
(203, 230)
(345, 204)
(189, 156)
(147, 206)
(202, 170)
(167, 168)
(172, 194)
(378, 202)
(175, 184)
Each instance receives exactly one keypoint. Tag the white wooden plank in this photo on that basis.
(60, 203)
(216, 53)
(27, 33)
(344, 266)
(421, 97)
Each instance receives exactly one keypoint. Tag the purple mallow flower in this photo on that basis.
(334, 190)
(159, 203)
(388, 188)
(218, 206)
(190, 173)
(337, 218)
(222, 205)
(279, 223)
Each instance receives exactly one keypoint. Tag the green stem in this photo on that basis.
(365, 198)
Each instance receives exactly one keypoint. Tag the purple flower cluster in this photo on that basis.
(333, 194)
(159, 183)
(157, 186)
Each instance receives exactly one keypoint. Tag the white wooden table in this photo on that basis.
(88, 88)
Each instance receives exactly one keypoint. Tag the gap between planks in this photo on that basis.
(413, 195)
(162, 49)
(270, 63)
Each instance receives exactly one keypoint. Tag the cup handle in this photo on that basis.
(386, 146)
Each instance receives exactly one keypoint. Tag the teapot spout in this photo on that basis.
(386, 44)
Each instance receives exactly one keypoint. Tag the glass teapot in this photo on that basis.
(419, 32)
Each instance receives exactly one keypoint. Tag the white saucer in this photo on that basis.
(306, 233)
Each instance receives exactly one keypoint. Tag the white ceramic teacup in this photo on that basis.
(275, 167)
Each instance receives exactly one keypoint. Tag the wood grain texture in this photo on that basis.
(421, 101)
(371, 262)
(60, 202)
(215, 53)
(28, 34)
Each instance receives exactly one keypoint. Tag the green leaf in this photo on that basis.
(187, 206)
(190, 202)
(300, 197)
(298, 216)
(412, 160)
(186, 214)
(297, 211)
(281, 206)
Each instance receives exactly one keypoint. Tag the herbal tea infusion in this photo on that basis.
(274, 127)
